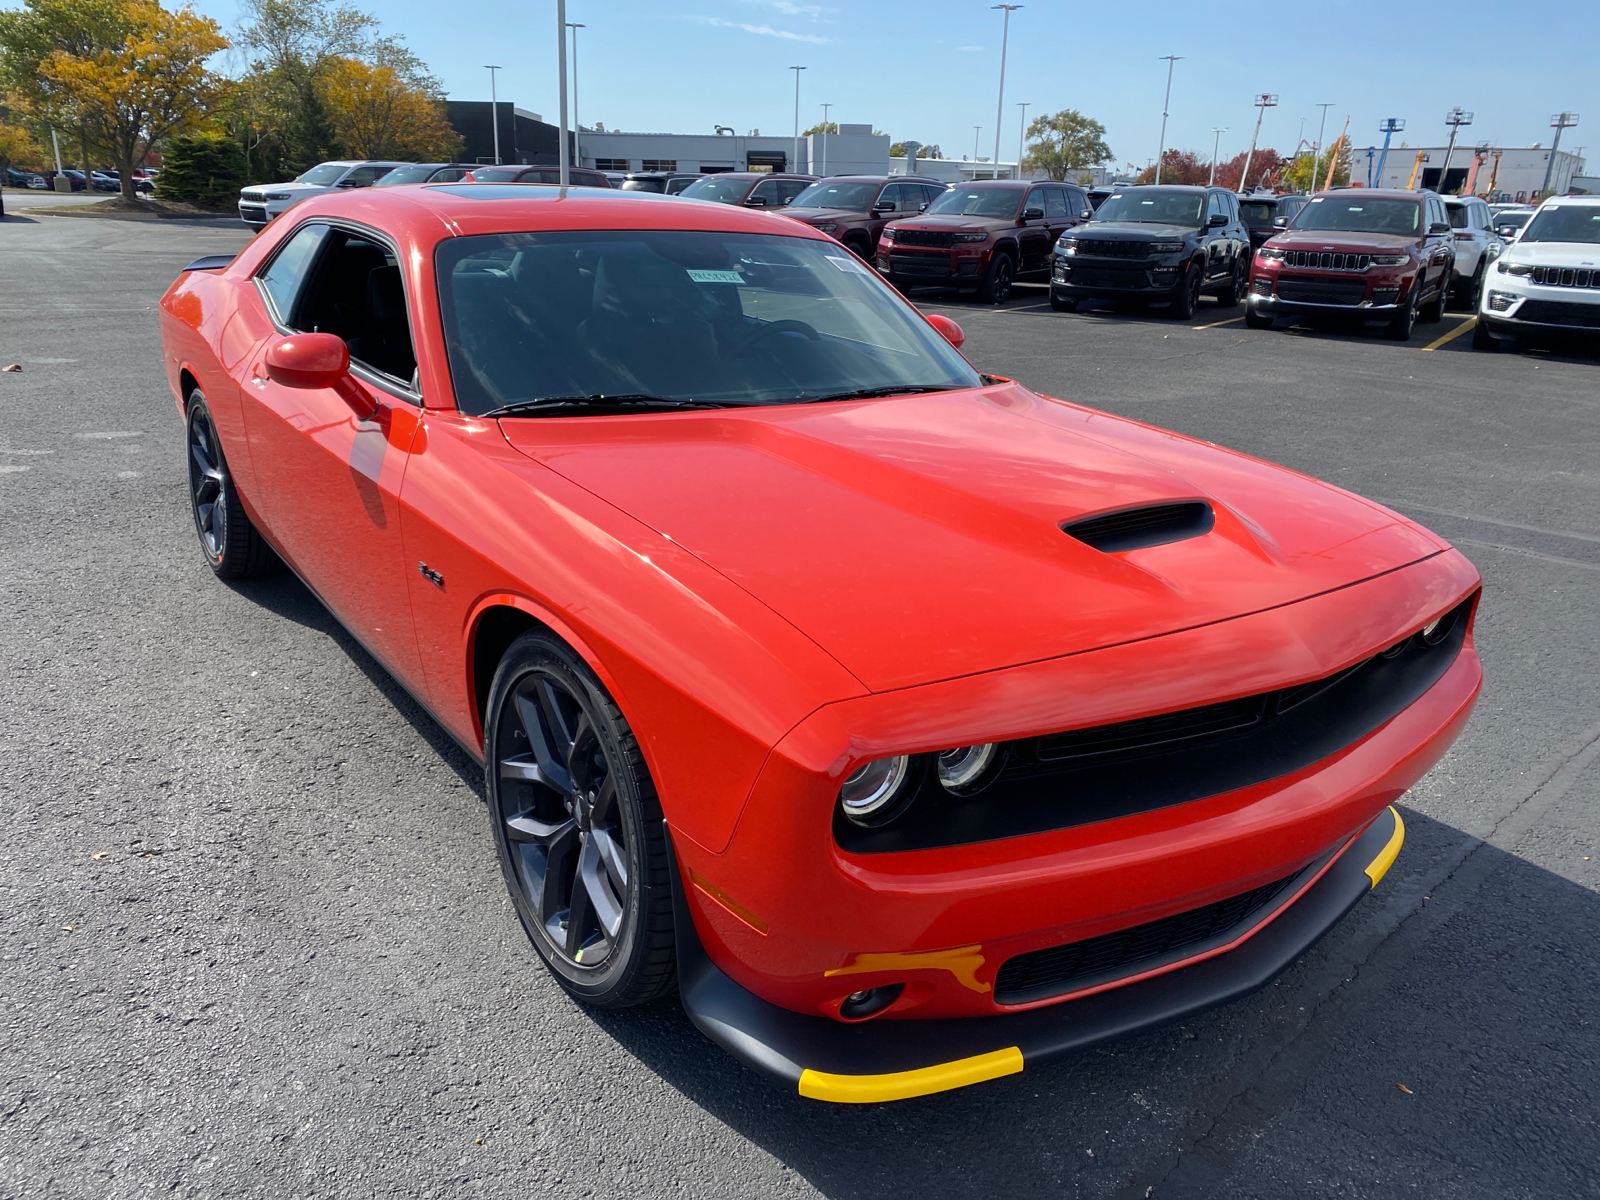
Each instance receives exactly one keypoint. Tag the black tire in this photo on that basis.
(996, 285)
(1405, 318)
(1433, 312)
(1062, 303)
(578, 827)
(1230, 295)
(1257, 320)
(858, 246)
(1475, 287)
(233, 547)
(1482, 339)
(1186, 296)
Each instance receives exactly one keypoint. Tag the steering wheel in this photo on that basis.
(772, 330)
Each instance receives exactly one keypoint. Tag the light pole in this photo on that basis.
(825, 109)
(1000, 104)
(977, 131)
(1560, 121)
(564, 174)
(1215, 142)
(1263, 102)
(577, 125)
(1455, 118)
(1371, 153)
(795, 164)
(1316, 151)
(1390, 127)
(1022, 132)
(494, 109)
(1161, 151)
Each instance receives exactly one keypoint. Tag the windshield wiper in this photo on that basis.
(626, 401)
(873, 393)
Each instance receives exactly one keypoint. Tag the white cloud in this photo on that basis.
(968, 49)
(790, 9)
(765, 31)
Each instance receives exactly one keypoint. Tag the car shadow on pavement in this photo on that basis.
(285, 596)
(1426, 1043)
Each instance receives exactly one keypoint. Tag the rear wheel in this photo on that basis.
(1230, 295)
(233, 547)
(1186, 296)
(578, 827)
(996, 285)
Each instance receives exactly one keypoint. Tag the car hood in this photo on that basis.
(919, 538)
(1335, 239)
(1132, 231)
(956, 224)
(1553, 254)
(821, 214)
(294, 189)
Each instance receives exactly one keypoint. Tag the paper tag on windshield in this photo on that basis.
(853, 265)
(715, 276)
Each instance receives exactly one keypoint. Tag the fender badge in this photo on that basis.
(431, 575)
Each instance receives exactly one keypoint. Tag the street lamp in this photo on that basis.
(794, 165)
(1022, 132)
(1000, 104)
(494, 109)
(977, 131)
(577, 125)
(1215, 142)
(1263, 102)
(825, 109)
(564, 174)
(1316, 152)
(1560, 121)
(1455, 118)
(1161, 151)
(1390, 127)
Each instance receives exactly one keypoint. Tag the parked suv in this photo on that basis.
(1364, 253)
(982, 235)
(668, 183)
(1510, 219)
(261, 202)
(855, 208)
(1155, 243)
(1548, 280)
(1477, 245)
(750, 188)
(1265, 214)
(425, 173)
(576, 176)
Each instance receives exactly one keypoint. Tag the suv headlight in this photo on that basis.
(277, 195)
(1390, 260)
(826, 226)
(1165, 247)
(1513, 268)
(1272, 253)
(972, 237)
(1067, 245)
(874, 793)
(886, 236)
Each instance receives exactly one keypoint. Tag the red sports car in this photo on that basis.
(912, 725)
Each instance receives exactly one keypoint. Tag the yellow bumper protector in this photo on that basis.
(1378, 867)
(962, 962)
(902, 1085)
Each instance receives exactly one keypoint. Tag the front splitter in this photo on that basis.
(891, 1059)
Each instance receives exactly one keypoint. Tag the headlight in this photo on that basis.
(1067, 245)
(828, 227)
(1390, 260)
(1165, 247)
(1514, 268)
(972, 237)
(967, 768)
(887, 235)
(872, 795)
(277, 195)
(1270, 252)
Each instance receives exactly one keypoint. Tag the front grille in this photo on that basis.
(1102, 278)
(1136, 528)
(923, 237)
(1150, 733)
(1056, 970)
(1106, 248)
(919, 264)
(251, 212)
(1326, 262)
(1322, 291)
(1566, 277)
(257, 197)
(1558, 312)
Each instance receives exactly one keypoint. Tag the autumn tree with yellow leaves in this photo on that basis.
(376, 114)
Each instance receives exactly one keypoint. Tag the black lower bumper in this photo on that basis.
(1073, 291)
(1272, 306)
(897, 1059)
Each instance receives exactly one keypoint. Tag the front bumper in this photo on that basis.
(933, 266)
(1530, 307)
(1363, 295)
(1077, 278)
(894, 1060)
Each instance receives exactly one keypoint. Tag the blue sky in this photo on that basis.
(928, 70)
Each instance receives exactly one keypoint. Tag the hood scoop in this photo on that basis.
(1136, 528)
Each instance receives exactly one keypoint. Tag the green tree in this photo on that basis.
(207, 169)
(898, 150)
(1063, 141)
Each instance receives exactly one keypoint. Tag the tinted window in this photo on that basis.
(767, 192)
(324, 176)
(718, 189)
(1258, 214)
(1460, 216)
(788, 189)
(365, 176)
(355, 292)
(1362, 215)
(448, 175)
(402, 175)
(722, 318)
(1055, 203)
(855, 197)
(1035, 200)
(675, 187)
(1564, 223)
(1000, 202)
(287, 272)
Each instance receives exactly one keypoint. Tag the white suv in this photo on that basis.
(1548, 280)
(260, 202)
(1477, 245)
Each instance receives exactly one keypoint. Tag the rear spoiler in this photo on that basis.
(211, 262)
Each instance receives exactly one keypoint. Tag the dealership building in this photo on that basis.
(854, 150)
(1517, 176)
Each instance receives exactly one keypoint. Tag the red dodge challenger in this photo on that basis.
(913, 726)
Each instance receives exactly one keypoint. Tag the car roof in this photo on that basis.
(755, 175)
(1583, 200)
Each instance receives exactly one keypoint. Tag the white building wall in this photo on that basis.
(847, 154)
(953, 170)
(1521, 168)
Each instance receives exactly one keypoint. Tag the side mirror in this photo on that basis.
(1086, 215)
(756, 202)
(923, 207)
(882, 206)
(347, 183)
(1217, 220)
(1439, 227)
(1280, 222)
(948, 329)
(1033, 214)
(317, 360)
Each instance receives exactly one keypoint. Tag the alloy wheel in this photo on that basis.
(561, 818)
(208, 486)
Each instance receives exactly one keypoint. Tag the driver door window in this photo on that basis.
(355, 291)
(363, 177)
(765, 194)
(1035, 200)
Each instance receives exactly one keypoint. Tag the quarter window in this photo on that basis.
(286, 273)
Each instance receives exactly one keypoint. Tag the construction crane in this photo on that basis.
(1422, 157)
(1494, 174)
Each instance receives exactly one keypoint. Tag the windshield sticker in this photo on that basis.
(715, 276)
(851, 265)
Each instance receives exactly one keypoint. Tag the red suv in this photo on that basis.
(855, 208)
(749, 188)
(576, 176)
(982, 235)
(1364, 253)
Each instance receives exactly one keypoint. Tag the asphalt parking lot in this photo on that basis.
(256, 942)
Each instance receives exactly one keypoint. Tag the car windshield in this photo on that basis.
(853, 197)
(1514, 219)
(326, 175)
(1360, 215)
(718, 189)
(1564, 223)
(495, 174)
(1153, 206)
(976, 202)
(713, 318)
(406, 175)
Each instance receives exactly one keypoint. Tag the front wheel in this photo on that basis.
(233, 547)
(996, 285)
(1186, 296)
(1257, 320)
(578, 827)
(1405, 318)
(1063, 303)
(1482, 339)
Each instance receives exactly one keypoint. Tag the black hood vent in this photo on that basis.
(1136, 528)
